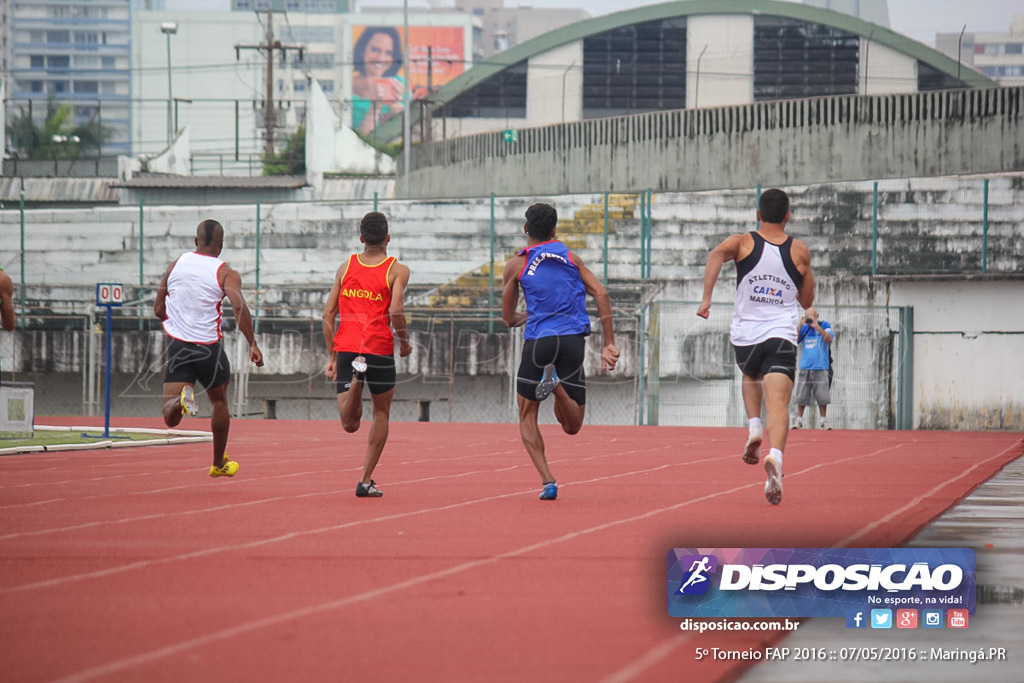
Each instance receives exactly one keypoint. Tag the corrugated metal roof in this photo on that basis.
(173, 182)
(72, 190)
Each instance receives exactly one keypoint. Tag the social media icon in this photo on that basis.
(856, 618)
(881, 618)
(957, 618)
(906, 618)
(931, 618)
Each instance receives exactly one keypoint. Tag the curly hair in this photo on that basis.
(373, 228)
(541, 220)
(359, 52)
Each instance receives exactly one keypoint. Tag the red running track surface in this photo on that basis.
(133, 564)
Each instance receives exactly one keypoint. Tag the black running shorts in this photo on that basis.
(381, 375)
(773, 355)
(566, 352)
(190, 363)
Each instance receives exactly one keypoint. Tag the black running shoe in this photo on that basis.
(368, 490)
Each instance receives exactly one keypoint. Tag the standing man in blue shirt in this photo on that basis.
(815, 381)
(555, 284)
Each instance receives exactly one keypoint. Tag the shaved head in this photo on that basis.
(209, 231)
(210, 237)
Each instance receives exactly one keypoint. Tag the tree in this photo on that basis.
(291, 160)
(57, 137)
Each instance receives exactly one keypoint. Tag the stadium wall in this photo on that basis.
(793, 142)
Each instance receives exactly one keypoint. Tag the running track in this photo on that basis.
(132, 564)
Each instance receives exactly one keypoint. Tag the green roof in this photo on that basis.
(689, 8)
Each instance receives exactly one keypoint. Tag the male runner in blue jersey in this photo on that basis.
(555, 284)
(773, 274)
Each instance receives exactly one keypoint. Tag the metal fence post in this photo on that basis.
(757, 206)
(641, 343)
(605, 278)
(905, 388)
(653, 388)
(643, 235)
(984, 228)
(21, 213)
(874, 230)
(256, 312)
(490, 289)
(650, 231)
(142, 244)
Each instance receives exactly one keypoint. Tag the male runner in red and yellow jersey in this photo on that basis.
(367, 296)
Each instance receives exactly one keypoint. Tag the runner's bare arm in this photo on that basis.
(802, 261)
(609, 351)
(329, 319)
(7, 301)
(510, 293)
(400, 275)
(232, 286)
(727, 250)
(160, 305)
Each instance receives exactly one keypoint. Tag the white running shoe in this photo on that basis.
(773, 486)
(752, 451)
(824, 425)
(798, 422)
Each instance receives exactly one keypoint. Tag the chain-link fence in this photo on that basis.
(649, 248)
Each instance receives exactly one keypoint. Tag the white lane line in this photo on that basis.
(255, 624)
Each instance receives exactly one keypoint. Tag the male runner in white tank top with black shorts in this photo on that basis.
(188, 302)
(773, 276)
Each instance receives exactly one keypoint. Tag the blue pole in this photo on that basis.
(106, 420)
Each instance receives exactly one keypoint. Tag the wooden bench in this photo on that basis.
(422, 405)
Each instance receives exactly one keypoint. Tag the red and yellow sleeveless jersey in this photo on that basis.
(364, 303)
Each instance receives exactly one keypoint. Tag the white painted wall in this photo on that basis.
(554, 86)
(726, 69)
(967, 352)
(203, 39)
(887, 70)
(332, 146)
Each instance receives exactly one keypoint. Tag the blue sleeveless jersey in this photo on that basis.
(556, 299)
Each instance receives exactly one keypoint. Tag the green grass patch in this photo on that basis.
(56, 438)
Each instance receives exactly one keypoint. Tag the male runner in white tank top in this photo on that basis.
(773, 273)
(189, 304)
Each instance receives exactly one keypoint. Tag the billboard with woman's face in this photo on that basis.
(437, 55)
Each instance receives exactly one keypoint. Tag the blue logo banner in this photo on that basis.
(818, 582)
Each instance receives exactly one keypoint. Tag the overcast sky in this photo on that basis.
(919, 19)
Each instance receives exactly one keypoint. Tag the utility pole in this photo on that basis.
(270, 45)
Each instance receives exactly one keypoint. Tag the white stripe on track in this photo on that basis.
(255, 624)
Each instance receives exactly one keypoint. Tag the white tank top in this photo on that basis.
(766, 287)
(194, 297)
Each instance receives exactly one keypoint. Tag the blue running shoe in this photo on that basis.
(547, 383)
(550, 491)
